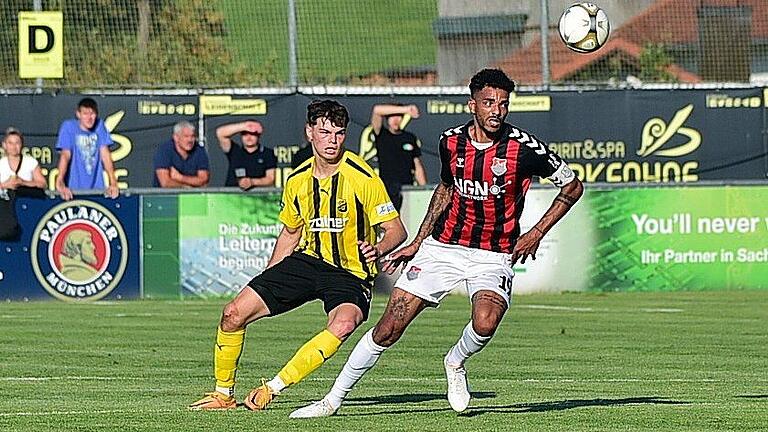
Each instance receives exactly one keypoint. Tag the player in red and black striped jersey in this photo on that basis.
(470, 234)
(489, 182)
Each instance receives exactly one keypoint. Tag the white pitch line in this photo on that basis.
(662, 310)
(132, 315)
(65, 413)
(552, 380)
(20, 316)
(561, 308)
(64, 378)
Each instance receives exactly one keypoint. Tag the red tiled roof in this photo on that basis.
(676, 21)
(665, 21)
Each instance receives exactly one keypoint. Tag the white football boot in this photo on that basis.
(458, 389)
(320, 408)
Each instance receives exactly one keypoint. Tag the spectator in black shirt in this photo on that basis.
(398, 151)
(250, 164)
(301, 155)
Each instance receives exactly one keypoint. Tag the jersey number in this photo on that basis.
(506, 285)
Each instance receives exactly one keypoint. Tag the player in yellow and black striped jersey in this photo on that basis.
(334, 207)
(336, 212)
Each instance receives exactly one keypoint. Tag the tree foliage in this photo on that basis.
(654, 61)
(181, 43)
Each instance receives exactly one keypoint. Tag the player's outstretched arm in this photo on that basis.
(286, 243)
(440, 199)
(393, 235)
(528, 243)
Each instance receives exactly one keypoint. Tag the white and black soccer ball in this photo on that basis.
(584, 27)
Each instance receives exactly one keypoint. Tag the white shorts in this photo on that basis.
(438, 267)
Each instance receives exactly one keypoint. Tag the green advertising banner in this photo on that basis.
(225, 240)
(700, 238)
(628, 239)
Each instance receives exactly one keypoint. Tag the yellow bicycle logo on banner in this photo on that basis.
(657, 132)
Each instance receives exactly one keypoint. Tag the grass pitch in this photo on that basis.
(693, 361)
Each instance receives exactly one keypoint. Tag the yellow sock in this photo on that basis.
(226, 354)
(309, 357)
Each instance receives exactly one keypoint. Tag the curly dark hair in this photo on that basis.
(328, 109)
(490, 78)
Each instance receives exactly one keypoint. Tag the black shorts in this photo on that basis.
(300, 278)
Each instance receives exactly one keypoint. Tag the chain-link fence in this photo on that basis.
(287, 43)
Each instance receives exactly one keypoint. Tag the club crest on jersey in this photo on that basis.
(413, 273)
(79, 251)
(499, 166)
(342, 207)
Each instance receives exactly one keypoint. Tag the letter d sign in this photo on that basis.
(41, 45)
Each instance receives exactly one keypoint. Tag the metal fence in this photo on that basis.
(288, 43)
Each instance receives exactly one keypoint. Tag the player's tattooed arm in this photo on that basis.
(440, 199)
(568, 196)
(528, 243)
(437, 205)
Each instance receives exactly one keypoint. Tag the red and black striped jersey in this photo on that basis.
(489, 185)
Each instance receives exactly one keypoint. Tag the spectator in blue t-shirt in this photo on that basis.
(83, 146)
(181, 162)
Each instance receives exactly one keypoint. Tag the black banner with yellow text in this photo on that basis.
(606, 136)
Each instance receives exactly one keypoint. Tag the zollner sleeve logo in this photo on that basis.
(79, 251)
(657, 132)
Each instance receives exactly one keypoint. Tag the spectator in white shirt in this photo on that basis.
(17, 169)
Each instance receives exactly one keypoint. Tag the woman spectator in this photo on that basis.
(19, 175)
(17, 170)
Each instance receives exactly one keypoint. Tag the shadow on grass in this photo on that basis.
(519, 408)
(757, 396)
(410, 398)
(566, 405)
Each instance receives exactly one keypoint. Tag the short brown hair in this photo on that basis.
(328, 109)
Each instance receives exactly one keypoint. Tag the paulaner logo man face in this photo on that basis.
(79, 251)
(78, 256)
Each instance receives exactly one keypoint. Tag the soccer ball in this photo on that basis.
(584, 27)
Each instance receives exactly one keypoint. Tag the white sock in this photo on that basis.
(229, 391)
(470, 343)
(363, 357)
(276, 384)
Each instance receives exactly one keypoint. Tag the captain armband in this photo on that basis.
(562, 176)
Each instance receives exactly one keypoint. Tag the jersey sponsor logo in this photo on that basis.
(478, 190)
(385, 209)
(459, 162)
(327, 224)
(79, 251)
(499, 166)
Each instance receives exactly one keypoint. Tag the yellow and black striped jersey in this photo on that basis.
(336, 212)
